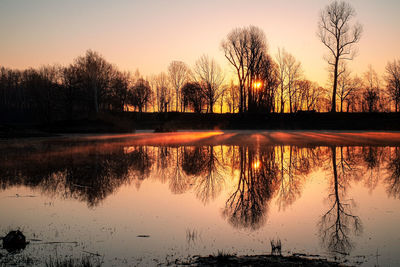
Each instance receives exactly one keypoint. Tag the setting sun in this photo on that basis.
(256, 164)
(257, 85)
(199, 133)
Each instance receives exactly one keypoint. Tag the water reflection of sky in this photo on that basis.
(196, 193)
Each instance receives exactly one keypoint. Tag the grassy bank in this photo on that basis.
(295, 121)
(127, 122)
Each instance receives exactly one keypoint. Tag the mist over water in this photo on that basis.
(151, 198)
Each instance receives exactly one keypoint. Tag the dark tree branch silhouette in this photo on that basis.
(210, 77)
(393, 82)
(193, 96)
(339, 36)
(140, 94)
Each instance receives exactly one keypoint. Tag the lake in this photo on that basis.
(150, 198)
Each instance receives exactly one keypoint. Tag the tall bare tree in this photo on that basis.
(371, 92)
(95, 74)
(339, 36)
(163, 94)
(245, 48)
(306, 95)
(232, 97)
(293, 74)
(140, 94)
(393, 82)
(178, 75)
(235, 49)
(210, 76)
(193, 96)
(281, 61)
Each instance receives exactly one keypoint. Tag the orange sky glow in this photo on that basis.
(148, 35)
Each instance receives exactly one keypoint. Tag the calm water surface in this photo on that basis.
(147, 198)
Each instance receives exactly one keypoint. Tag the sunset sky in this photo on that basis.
(148, 35)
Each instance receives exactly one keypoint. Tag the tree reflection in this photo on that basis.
(162, 162)
(393, 178)
(91, 171)
(338, 222)
(291, 170)
(247, 205)
(372, 156)
(139, 163)
(194, 160)
(178, 180)
(87, 173)
(210, 181)
(203, 165)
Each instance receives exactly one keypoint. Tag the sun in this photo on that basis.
(257, 84)
(256, 164)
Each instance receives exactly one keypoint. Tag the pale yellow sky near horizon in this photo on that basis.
(148, 35)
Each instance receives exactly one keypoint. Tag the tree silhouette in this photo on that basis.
(163, 93)
(193, 96)
(339, 36)
(347, 86)
(371, 93)
(140, 94)
(262, 94)
(178, 75)
(393, 82)
(210, 77)
(245, 49)
(95, 74)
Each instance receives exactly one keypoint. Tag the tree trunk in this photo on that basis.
(335, 78)
(95, 102)
(176, 104)
(282, 103)
(341, 105)
(290, 99)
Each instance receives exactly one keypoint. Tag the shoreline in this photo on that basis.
(130, 122)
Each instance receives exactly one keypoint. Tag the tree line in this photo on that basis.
(262, 82)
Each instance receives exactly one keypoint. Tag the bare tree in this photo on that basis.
(95, 74)
(265, 86)
(371, 92)
(232, 97)
(281, 60)
(293, 73)
(162, 90)
(393, 82)
(178, 75)
(193, 96)
(258, 64)
(210, 76)
(120, 84)
(347, 85)
(306, 95)
(235, 49)
(339, 36)
(140, 94)
(245, 48)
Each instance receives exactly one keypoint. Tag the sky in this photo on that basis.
(148, 35)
